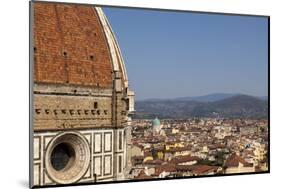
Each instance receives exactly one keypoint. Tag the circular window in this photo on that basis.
(67, 158)
(62, 156)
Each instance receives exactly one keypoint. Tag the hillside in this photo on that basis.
(235, 106)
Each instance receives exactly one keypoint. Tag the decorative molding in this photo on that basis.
(105, 143)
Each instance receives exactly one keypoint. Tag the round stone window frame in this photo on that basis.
(79, 166)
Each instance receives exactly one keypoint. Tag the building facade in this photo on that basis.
(81, 100)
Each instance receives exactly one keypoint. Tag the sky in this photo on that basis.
(176, 54)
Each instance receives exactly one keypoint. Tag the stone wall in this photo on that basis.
(69, 112)
(58, 108)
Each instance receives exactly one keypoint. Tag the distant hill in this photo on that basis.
(204, 98)
(208, 98)
(243, 106)
(263, 97)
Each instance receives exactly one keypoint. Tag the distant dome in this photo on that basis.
(156, 122)
(156, 125)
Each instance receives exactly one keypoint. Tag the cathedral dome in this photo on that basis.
(74, 45)
(80, 96)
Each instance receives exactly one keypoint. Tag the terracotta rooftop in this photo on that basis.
(234, 160)
(70, 46)
(179, 149)
(143, 176)
(184, 159)
(201, 169)
(196, 169)
(164, 168)
(154, 162)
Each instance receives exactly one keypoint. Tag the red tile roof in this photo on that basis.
(201, 169)
(184, 159)
(234, 160)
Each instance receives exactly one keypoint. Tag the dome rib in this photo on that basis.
(116, 56)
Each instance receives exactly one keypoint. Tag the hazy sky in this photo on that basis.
(175, 54)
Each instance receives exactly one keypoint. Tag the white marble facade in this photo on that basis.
(106, 161)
